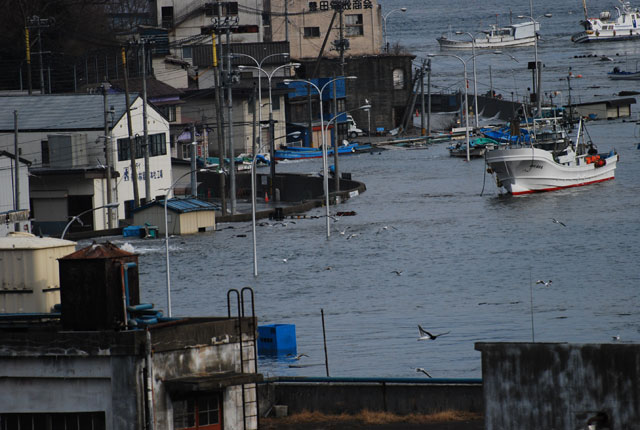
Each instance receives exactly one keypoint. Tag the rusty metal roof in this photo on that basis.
(98, 251)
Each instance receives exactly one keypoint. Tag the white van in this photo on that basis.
(353, 131)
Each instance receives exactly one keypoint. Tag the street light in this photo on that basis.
(464, 63)
(384, 27)
(475, 81)
(271, 126)
(295, 135)
(166, 233)
(324, 138)
(538, 79)
(77, 217)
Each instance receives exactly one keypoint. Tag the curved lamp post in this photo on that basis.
(464, 64)
(475, 81)
(535, 45)
(271, 127)
(166, 234)
(324, 138)
(77, 217)
(384, 26)
(294, 134)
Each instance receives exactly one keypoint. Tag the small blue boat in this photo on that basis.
(303, 153)
(503, 135)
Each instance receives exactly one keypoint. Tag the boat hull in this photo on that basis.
(530, 170)
(447, 44)
(605, 36)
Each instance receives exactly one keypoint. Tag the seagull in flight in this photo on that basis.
(546, 284)
(420, 369)
(425, 335)
(386, 227)
(342, 232)
(558, 222)
(297, 357)
(616, 337)
(397, 272)
(352, 235)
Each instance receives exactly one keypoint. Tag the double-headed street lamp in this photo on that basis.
(166, 233)
(384, 26)
(324, 138)
(77, 217)
(538, 79)
(269, 75)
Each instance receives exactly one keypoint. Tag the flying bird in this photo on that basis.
(425, 335)
(420, 369)
(297, 357)
(386, 227)
(616, 337)
(558, 222)
(397, 272)
(342, 232)
(546, 284)
(352, 235)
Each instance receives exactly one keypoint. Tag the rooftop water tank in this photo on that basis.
(92, 288)
(29, 280)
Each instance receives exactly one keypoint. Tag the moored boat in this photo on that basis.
(620, 75)
(477, 147)
(530, 169)
(522, 34)
(302, 153)
(605, 28)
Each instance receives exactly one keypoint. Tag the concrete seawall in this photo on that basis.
(400, 396)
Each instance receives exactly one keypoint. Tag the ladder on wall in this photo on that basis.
(248, 354)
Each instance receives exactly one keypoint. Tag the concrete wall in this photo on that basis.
(399, 398)
(561, 386)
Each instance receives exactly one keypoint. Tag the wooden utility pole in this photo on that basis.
(145, 127)
(107, 151)
(132, 143)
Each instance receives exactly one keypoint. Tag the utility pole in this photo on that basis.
(132, 148)
(145, 146)
(194, 185)
(422, 112)
(232, 161)
(220, 124)
(107, 150)
(429, 95)
(16, 201)
(286, 22)
(28, 48)
(38, 23)
(336, 171)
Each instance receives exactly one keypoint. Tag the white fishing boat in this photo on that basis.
(620, 75)
(625, 26)
(523, 34)
(530, 170)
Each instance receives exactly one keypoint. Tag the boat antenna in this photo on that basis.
(584, 7)
(510, 17)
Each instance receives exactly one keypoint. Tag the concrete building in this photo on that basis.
(560, 385)
(14, 215)
(305, 25)
(63, 136)
(604, 109)
(184, 216)
(92, 368)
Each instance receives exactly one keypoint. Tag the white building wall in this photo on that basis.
(7, 190)
(160, 166)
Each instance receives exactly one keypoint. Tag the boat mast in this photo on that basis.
(584, 7)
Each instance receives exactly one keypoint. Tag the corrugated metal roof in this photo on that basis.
(29, 241)
(182, 205)
(59, 111)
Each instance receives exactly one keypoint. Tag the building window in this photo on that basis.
(167, 16)
(311, 32)
(276, 102)
(67, 421)
(157, 146)
(398, 79)
(197, 413)
(354, 25)
(187, 52)
(169, 112)
(44, 147)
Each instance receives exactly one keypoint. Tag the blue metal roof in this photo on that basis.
(182, 205)
(60, 111)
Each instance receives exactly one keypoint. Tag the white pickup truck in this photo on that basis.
(353, 131)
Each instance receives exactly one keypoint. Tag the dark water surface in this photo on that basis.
(467, 261)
